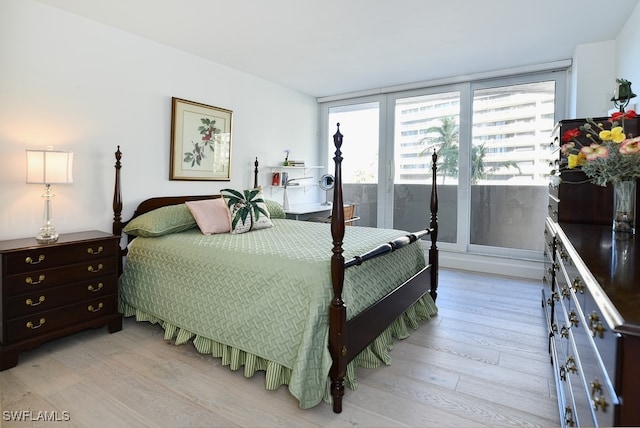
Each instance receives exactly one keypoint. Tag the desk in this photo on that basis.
(302, 209)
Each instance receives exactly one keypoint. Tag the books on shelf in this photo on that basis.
(295, 163)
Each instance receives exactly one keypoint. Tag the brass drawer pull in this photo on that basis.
(33, 327)
(568, 416)
(596, 326)
(95, 252)
(30, 302)
(30, 280)
(30, 261)
(599, 403)
(91, 308)
(573, 318)
(95, 289)
(563, 373)
(92, 269)
(578, 285)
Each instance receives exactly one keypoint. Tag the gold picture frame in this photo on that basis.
(200, 141)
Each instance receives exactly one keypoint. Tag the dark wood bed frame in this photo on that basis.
(347, 338)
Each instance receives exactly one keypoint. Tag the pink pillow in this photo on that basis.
(212, 215)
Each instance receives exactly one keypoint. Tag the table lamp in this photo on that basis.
(48, 167)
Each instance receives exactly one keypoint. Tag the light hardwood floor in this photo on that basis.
(481, 362)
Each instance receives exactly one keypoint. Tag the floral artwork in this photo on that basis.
(610, 155)
(200, 141)
(209, 133)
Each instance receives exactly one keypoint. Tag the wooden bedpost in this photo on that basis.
(433, 225)
(117, 197)
(255, 174)
(337, 310)
(117, 205)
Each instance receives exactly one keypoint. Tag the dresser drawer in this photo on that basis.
(52, 297)
(46, 257)
(39, 279)
(49, 321)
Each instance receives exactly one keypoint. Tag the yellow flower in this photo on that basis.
(576, 160)
(616, 135)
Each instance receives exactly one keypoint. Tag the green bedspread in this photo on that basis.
(261, 299)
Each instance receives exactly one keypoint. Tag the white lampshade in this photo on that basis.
(49, 167)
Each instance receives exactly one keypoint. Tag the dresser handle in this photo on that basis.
(568, 416)
(94, 252)
(30, 261)
(29, 280)
(563, 255)
(95, 289)
(91, 308)
(600, 402)
(30, 302)
(33, 327)
(578, 285)
(595, 325)
(573, 318)
(92, 269)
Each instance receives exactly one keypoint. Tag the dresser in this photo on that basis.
(591, 300)
(51, 290)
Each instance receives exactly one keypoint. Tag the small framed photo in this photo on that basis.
(200, 141)
(275, 179)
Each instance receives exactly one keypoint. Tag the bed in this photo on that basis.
(304, 302)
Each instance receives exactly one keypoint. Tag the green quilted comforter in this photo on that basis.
(261, 299)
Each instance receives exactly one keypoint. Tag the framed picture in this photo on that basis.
(200, 141)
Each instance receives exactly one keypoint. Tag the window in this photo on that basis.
(492, 139)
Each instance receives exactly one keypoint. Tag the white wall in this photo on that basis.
(628, 53)
(81, 86)
(597, 65)
(593, 79)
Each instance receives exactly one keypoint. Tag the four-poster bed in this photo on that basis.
(324, 311)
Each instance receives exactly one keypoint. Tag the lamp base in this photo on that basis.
(47, 235)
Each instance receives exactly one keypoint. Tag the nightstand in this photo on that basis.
(52, 290)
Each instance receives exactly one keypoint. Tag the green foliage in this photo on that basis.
(244, 206)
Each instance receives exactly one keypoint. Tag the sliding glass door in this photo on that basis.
(424, 124)
(360, 124)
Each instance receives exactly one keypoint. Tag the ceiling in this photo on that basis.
(330, 47)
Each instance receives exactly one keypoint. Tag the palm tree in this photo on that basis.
(243, 205)
(478, 153)
(447, 140)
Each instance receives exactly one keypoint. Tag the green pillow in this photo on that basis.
(161, 221)
(275, 209)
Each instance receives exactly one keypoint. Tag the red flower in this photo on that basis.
(570, 134)
(623, 115)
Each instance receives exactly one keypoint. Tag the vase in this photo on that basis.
(624, 206)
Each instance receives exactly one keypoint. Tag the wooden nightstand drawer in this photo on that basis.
(44, 322)
(40, 279)
(47, 257)
(48, 298)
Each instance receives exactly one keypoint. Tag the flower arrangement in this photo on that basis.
(609, 156)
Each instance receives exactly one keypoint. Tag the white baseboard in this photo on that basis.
(505, 266)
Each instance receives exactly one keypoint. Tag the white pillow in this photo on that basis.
(212, 215)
